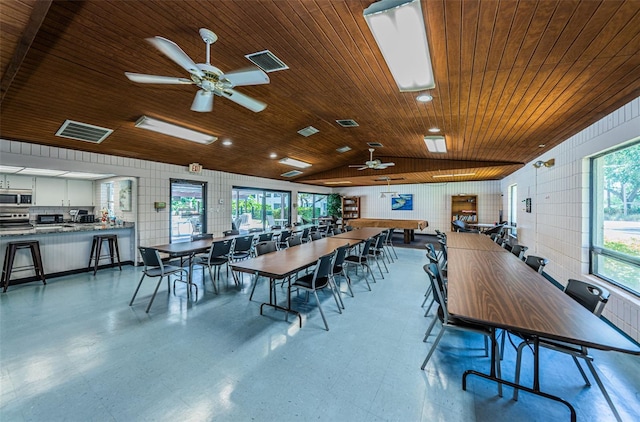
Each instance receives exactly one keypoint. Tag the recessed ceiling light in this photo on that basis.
(434, 129)
(424, 98)
(227, 142)
(273, 155)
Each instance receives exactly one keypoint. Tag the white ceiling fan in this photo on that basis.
(373, 164)
(211, 80)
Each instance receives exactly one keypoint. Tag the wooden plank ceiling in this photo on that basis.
(513, 79)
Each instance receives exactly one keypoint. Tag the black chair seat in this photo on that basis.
(306, 280)
(240, 255)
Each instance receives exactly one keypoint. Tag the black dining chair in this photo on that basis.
(339, 270)
(388, 244)
(282, 239)
(449, 322)
(593, 298)
(376, 251)
(154, 267)
(217, 257)
(241, 250)
(322, 277)
(294, 240)
(361, 260)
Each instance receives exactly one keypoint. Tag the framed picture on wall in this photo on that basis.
(404, 202)
(124, 196)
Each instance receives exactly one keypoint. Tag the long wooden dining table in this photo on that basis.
(498, 290)
(285, 263)
(407, 225)
(360, 234)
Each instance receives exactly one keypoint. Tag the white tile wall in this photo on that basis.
(558, 227)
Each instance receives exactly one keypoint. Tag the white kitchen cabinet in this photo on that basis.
(55, 192)
(79, 193)
(14, 181)
(50, 192)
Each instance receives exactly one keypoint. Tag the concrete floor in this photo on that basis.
(74, 350)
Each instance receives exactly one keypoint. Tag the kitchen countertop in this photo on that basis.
(62, 228)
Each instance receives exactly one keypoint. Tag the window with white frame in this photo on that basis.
(615, 217)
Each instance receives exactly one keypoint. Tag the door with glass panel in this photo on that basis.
(188, 209)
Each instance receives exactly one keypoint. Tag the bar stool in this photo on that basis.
(36, 259)
(96, 250)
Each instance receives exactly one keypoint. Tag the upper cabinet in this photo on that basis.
(79, 193)
(54, 192)
(13, 181)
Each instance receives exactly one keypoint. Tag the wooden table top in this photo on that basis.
(360, 234)
(283, 263)
(475, 241)
(184, 248)
(500, 290)
(389, 222)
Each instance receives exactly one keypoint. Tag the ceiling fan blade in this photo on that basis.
(355, 165)
(363, 168)
(203, 101)
(175, 53)
(384, 165)
(244, 100)
(247, 76)
(155, 79)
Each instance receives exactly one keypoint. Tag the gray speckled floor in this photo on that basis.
(74, 350)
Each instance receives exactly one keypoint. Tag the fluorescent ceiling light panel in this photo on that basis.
(453, 175)
(85, 176)
(398, 27)
(435, 144)
(10, 169)
(338, 183)
(159, 126)
(41, 172)
(294, 163)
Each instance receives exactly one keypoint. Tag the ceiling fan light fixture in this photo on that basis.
(294, 163)
(436, 144)
(399, 30)
(170, 129)
(382, 195)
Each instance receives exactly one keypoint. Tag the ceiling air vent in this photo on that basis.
(83, 132)
(291, 173)
(347, 123)
(375, 144)
(343, 149)
(308, 131)
(267, 61)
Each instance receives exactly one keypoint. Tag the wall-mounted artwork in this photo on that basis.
(404, 202)
(124, 197)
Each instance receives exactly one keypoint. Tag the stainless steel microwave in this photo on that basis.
(15, 197)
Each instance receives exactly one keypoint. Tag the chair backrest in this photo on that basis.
(201, 236)
(592, 297)
(341, 254)
(265, 237)
(230, 232)
(304, 236)
(337, 230)
(266, 247)
(438, 287)
(243, 243)
(324, 268)
(220, 248)
(276, 227)
(519, 250)
(536, 262)
(316, 235)
(379, 243)
(431, 254)
(458, 225)
(294, 240)
(366, 247)
(493, 230)
(495, 236)
(284, 235)
(150, 258)
(348, 228)
(443, 247)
